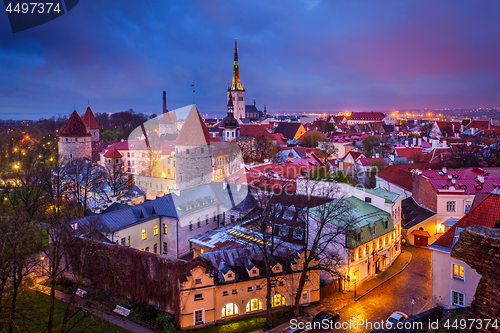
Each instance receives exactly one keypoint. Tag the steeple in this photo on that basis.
(236, 84)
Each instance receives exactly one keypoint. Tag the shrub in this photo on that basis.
(146, 312)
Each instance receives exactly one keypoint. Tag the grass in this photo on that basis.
(33, 315)
(246, 325)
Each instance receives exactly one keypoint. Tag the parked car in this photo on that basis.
(395, 318)
(318, 318)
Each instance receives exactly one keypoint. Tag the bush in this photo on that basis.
(146, 312)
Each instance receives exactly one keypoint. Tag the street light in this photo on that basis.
(42, 259)
(354, 285)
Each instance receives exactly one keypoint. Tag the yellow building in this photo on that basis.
(237, 287)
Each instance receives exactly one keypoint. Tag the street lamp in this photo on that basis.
(42, 259)
(354, 285)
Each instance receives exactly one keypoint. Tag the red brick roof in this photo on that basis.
(371, 116)
(113, 153)
(397, 176)
(193, 132)
(89, 119)
(485, 214)
(74, 127)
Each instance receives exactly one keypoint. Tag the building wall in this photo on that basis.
(154, 186)
(424, 193)
(95, 134)
(443, 282)
(132, 236)
(74, 147)
(193, 165)
(460, 202)
(214, 300)
(238, 102)
(430, 225)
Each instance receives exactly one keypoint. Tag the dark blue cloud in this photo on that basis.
(300, 56)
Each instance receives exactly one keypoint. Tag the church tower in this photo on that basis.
(229, 127)
(91, 124)
(236, 89)
(74, 140)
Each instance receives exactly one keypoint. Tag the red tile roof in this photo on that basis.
(354, 154)
(480, 124)
(465, 180)
(368, 161)
(255, 131)
(193, 132)
(113, 153)
(485, 214)
(371, 116)
(89, 119)
(397, 176)
(74, 127)
(409, 153)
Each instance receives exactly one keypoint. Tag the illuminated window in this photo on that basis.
(278, 300)
(165, 228)
(458, 272)
(123, 241)
(143, 234)
(229, 310)
(155, 230)
(359, 253)
(254, 304)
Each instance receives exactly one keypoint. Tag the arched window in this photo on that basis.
(229, 310)
(278, 300)
(254, 304)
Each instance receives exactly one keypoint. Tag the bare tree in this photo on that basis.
(83, 177)
(116, 178)
(327, 223)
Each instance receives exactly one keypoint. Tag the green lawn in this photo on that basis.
(33, 314)
(246, 325)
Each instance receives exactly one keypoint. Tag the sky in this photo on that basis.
(294, 56)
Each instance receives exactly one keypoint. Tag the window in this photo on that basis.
(269, 229)
(468, 205)
(202, 150)
(254, 271)
(307, 277)
(198, 297)
(298, 233)
(234, 291)
(187, 151)
(199, 224)
(458, 272)
(273, 284)
(254, 304)
(155, 248)
(190, 225)
(368, 199)
(249, 289)
(374, 230)
(359, 253)
(225, 293)
(259, 287)
(230, 275)
(197, 281)
(123, 241)
(359, 236)
(155, 230)
(282, 283)
(229, 310)
(457, 298)
(386, 224)
(278, 300)
(143, 234)
(146, 249)
(206, 219)
(128, 240)
(165, 248)
(284, 230)
(450, 206)
(165, 228)
(198, 317)
(353, 256)
(143, 155)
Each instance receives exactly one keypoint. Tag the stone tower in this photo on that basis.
(91, 124)
(74, 140)
(236, 88)
(193, 154)
(229, 127)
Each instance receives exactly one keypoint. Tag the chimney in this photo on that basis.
(414, 141)
(453, 181)
(492, 121)
(480, 179)
(444, 143)
(377, 155)
(165, 102)
(462, 128)
(444, 169)
(450, 176)
(406, 143)
(254, 102)
(419, 142)
(434, 142)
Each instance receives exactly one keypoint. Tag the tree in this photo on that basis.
(466, 153)
(247, 146)
(264, 149)
(116, 178)
(83, 177)
(311, 140)
(327, 223)
(369, 143)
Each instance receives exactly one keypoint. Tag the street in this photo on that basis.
(394, 295)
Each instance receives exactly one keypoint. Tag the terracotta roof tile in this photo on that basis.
(113, 153)
(193, 132)
(398, 176)
(74, 127)
(485, 214)
(89, 119)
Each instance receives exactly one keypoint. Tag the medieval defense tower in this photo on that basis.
(74, 140)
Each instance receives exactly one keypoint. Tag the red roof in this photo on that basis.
(354, 154)
(485, 214)
(89, 119)
(465, 180)
(397, 176)
(255, 131)
(113, 153)
(74, 127)
(193, 132)
(371, 116)
(480, 124)
(368, 161)
(410, 153)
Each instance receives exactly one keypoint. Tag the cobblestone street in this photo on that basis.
(393, 295)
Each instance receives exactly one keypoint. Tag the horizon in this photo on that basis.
(334, 58)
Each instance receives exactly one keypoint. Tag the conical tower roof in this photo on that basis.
(113, 153)
(193, 132)
(74, 127)
(89, 119)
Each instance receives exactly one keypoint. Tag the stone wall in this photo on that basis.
(479, 247)
(424, 193)
(74, 148)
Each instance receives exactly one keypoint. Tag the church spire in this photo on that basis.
(236, 84)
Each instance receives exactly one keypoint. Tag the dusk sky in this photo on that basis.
(294, 56)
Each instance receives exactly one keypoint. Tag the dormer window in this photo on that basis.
(277, 268)
(230, 275)
(386, 223)
(298, 233)
(359, 236)
(374, 230)
(254, 271)
(368, 199)
(284, 230)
